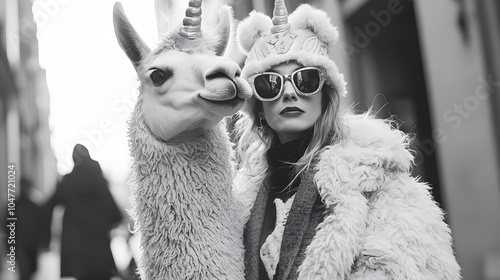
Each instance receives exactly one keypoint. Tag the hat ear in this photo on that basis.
(251, 29)
(308, 17)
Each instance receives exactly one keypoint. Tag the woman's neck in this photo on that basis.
(285, 137)
(290, 151)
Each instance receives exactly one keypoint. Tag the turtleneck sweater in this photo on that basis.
(281, 159)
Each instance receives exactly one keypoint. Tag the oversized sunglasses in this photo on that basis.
(307, 81)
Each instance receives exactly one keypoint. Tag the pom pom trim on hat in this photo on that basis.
(251, 29)
(306, 16)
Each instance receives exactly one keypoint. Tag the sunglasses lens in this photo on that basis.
(267, 85)
(307, 81)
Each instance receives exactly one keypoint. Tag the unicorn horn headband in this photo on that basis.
(191, 25)
(280, 18)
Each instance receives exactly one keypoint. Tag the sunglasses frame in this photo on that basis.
(322, 80)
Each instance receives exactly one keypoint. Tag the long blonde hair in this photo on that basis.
(254, 138)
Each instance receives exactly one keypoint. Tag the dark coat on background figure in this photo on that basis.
(90, 213)
(28, 224)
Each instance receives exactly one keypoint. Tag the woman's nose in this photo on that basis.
(288, 91)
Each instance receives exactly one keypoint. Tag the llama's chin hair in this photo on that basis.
(194, 130)
(186, 136)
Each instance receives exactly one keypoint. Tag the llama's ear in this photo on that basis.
(223, 29)
(133, 46)
(163, 11)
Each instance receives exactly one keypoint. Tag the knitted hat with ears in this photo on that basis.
(304, 36)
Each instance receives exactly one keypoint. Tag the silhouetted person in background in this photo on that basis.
(29, 223)
(90, 214)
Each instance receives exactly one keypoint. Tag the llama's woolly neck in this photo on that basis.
(183, 206)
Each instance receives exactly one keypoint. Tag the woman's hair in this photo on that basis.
(327, 129)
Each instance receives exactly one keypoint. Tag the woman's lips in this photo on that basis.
(291, 111)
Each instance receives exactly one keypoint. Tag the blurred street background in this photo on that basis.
(433, 66)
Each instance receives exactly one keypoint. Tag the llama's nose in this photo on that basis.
(227, 70)
(220, 81)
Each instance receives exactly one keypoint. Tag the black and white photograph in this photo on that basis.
(250, 139)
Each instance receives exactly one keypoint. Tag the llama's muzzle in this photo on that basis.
(222, 82)
(219, 88)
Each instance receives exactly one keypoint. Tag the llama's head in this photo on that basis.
(187, 85)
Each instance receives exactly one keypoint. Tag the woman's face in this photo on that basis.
(291, 115)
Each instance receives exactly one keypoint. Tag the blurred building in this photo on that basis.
(434, 67)
(24, 105)
(436, 64)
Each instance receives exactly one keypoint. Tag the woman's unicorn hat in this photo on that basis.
(303, 36)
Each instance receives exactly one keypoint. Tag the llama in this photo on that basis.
(182, 203)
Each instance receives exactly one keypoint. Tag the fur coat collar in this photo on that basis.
(379, 223)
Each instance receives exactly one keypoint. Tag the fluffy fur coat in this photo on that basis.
(379, 223)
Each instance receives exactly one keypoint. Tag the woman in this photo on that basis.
(327, 194)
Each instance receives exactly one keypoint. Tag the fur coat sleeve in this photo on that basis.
(382, 223)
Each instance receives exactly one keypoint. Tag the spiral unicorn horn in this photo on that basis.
(191, 25)
(280, 17)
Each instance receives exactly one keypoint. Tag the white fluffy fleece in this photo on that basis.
(252, 29)
(183, 207)
(306, 16)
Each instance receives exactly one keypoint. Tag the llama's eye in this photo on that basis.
(159, 76)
